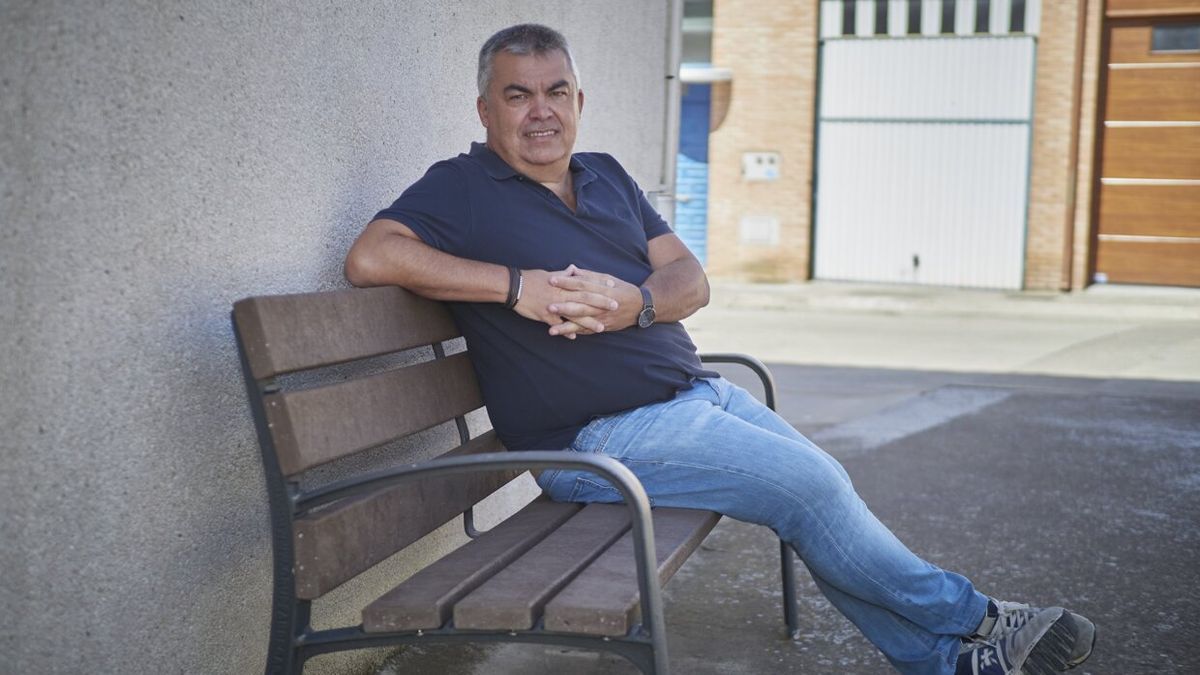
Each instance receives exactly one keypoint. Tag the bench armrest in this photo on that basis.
(752, 363)
(621, 477)
(615, 472)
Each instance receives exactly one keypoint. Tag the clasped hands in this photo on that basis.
(576, 301)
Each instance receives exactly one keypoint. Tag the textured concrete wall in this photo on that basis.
(159, 160)
(772, 50)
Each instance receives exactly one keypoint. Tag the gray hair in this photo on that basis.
(522, 39)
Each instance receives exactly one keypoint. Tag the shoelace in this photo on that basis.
(1013, 615)
(1010, 616)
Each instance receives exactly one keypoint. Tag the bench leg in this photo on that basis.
(791, 612)
(290, 619)
(646, 658)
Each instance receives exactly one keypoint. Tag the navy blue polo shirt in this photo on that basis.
(540, 390)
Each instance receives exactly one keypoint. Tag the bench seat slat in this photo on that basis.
(603, 599)
(514, 597)
(286, 333)
(318, 425)
(424, 600)
(347, 537)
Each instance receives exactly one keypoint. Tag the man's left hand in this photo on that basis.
(628, 297)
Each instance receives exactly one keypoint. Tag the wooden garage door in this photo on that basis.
(1148, 223)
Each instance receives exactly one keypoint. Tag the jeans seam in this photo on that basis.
(602, 440)
(723, 400)
(608, 432)
(574, 491)
(608, 487)
(549, 476)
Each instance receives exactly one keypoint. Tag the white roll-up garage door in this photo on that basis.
(923, 156)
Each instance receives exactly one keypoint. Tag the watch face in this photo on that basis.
(646, 317)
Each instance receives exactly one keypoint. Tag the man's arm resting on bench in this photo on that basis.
(389, 253)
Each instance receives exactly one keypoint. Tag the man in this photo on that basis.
(569, 289)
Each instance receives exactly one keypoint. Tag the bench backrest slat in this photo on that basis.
(314, 426)
(329, 415)
(287, 333)
(338, 542)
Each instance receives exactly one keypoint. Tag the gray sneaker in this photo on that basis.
(1010, 616)
(1040, 646)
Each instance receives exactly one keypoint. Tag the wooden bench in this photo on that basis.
(564, 574)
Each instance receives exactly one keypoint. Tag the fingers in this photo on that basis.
(592, 305)
(594, 284)
(570, 328)
(578, 273)
(539, 297)
(588, 323)
(576, 301)
(583, 287)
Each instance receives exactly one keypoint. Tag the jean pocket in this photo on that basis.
(592, 489)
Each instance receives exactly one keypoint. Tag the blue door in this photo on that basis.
(691, 173)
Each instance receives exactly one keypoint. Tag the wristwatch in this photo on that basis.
(646, 316)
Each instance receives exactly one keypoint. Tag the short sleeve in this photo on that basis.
(653, 224)
(652, 221)
(436, 208)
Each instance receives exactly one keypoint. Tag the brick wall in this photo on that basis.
(1055, 142)
(772, 50)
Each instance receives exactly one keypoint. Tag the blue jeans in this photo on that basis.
(715, 447)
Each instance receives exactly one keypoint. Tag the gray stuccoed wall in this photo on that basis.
(159, 160)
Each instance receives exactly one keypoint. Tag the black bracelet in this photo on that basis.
(514, 287)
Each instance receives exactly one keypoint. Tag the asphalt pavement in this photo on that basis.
(1045, 445)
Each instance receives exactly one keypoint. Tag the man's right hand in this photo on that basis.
(538, 294)
(389, 253)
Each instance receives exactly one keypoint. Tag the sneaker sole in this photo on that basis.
(1053, 652)
(1085, 639)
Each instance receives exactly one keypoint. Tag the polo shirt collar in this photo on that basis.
(495, 167)
(498, 169)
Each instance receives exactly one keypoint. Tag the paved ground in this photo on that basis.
(1048, 446)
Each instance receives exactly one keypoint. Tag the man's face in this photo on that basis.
(531, 111)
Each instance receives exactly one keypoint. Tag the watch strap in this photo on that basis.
(646, 317)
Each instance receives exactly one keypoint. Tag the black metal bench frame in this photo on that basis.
(292, 639)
